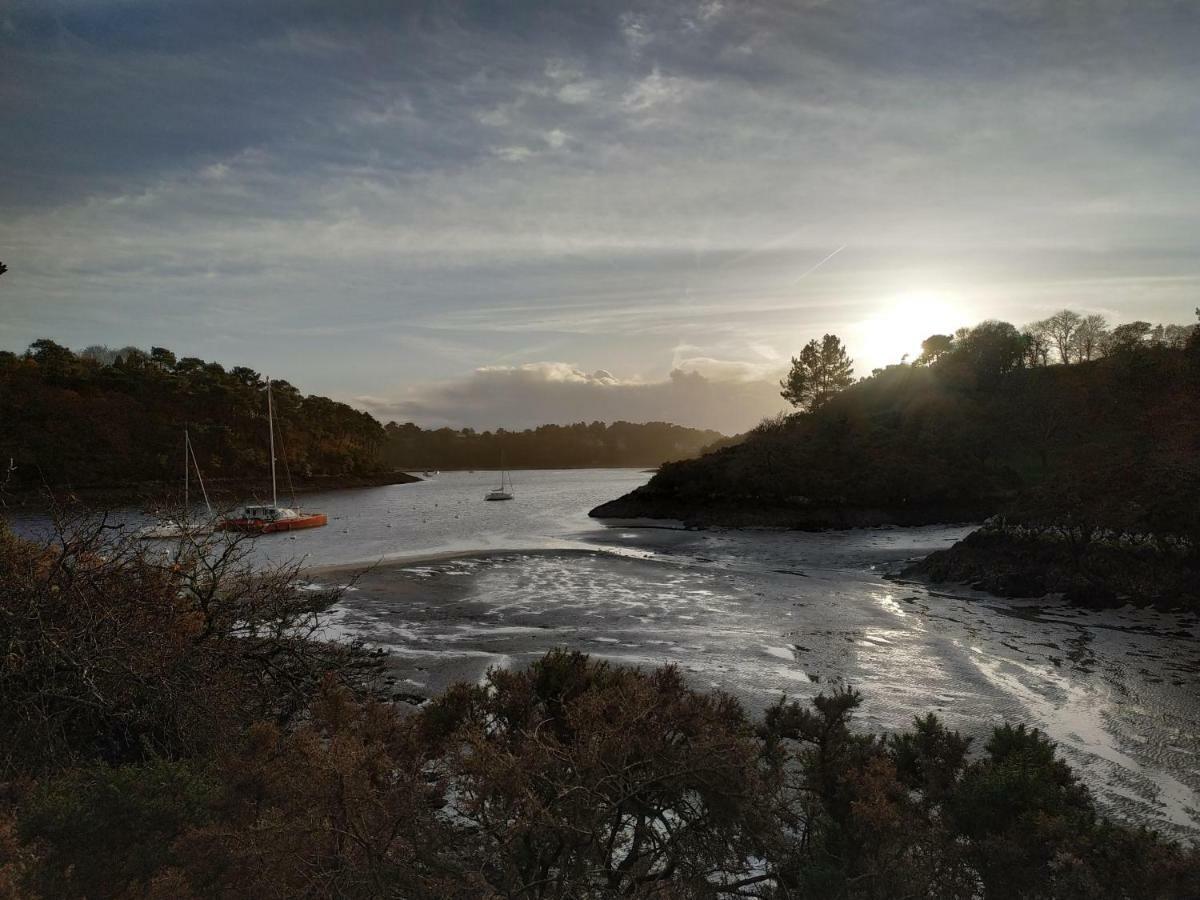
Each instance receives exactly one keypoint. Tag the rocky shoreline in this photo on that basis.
(1096, 574)
(222, 491)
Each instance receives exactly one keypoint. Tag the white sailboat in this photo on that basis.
(172, 528)
(504, 491)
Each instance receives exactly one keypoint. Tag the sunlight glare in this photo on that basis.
(907, 320)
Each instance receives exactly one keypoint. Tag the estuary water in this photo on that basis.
(452, 585)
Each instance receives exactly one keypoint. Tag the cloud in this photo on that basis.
(654, 90)
(513, 154)
(636, 31)
(728, 399)
(373, 183)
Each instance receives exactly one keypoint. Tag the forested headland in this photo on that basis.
(175, 728)
(113, 421)
(1085, 444)
(582, 445)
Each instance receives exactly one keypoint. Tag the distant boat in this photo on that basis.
(504, 492)
(263, 519)
(171, 528)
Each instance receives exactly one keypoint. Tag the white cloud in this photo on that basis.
(555, 137)
(652, 91)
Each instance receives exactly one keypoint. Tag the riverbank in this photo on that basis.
(1096, 574)
(221, 491)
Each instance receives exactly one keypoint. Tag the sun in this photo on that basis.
(903, 322)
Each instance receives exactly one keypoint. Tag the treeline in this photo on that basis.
(977, 426)
(1068, 337)
(103, 418)
(173, 729)
(547, 447)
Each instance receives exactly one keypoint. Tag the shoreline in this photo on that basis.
(234, 490)
(635, 506)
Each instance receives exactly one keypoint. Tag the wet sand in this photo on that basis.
(766, 614)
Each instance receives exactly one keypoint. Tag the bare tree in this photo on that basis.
(1061, 328)
(1089, 336)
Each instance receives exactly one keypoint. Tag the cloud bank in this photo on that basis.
(531, 394)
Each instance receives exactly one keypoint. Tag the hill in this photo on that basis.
(113, 421)
(1098, 453)
(547, 447)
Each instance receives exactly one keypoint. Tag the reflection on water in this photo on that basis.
(760, 614)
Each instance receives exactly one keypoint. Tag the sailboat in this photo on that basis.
(504, 492)
(171, 528)
(261, 519)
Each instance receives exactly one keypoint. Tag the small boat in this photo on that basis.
(504, 491)
(165, 528)
(269, 519)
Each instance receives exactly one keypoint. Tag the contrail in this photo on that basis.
(822, 262)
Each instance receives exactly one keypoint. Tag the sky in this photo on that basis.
(508, 213)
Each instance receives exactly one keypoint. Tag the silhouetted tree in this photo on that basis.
(990, 351)
(3, 268)
(934, 348)
(1061, 328)
(1037, 345)
(1089, 336)
(820, 371)
(1128, 337)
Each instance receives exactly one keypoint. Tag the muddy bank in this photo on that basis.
(1093, 574)
(222, 491)
(645, 503)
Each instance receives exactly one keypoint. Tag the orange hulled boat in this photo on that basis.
(264, 519)
(270, 519)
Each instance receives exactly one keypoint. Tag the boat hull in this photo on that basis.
(257, 526)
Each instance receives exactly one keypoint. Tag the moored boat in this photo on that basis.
(270, 519)
(167, 528)
(505, 490)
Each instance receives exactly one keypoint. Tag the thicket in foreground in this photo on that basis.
(179, 731)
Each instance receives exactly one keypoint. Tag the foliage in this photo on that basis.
(108, 417)
(572, 778)
(548, 446)
(113, 653)
(822, 369)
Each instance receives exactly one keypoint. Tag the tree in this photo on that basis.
(1061, 328)
(3, 268)
(162, 358)
(1127, 338)
(821, 371)
(933, 348)
(991, 350)
(1089, 336)
(1037, 345)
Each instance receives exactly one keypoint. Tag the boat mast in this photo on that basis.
(199, 477)
(271, 425)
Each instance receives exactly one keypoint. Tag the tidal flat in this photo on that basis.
(760, 614)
